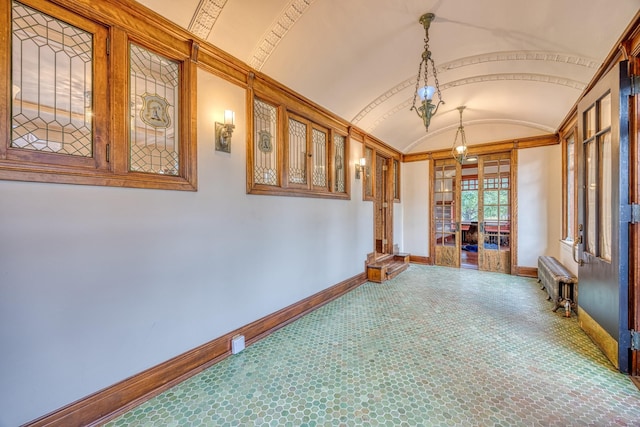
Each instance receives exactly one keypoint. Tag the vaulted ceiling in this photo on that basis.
(518, 66)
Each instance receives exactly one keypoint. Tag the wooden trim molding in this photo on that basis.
(526, 271)
(105, 405)
(488, 148)
(415, 259)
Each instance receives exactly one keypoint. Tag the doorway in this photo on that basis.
(378, 182)
(472, 213)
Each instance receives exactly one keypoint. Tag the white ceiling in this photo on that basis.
(517, 65)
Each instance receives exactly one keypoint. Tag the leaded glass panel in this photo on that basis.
(319, 158)
(297, 152)
(52, 69)
(368, 178)
(571, 184)
(396, 179)
(339, 142)
(154, 83)
(265, 147)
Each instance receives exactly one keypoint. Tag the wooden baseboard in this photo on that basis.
(527, 271)
(115, 400)
(420, 259)
(598, 335)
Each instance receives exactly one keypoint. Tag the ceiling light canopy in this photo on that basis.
(427, 107)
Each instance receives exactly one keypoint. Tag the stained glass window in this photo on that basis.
(154, 84)
(52, 108)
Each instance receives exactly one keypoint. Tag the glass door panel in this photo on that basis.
(445, 214)
(494, 242)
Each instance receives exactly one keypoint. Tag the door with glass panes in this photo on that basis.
(494, 213)
(604, 213)
(445, 224)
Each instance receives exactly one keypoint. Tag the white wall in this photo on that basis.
(539, 203)
(98, 283)
(415, 204)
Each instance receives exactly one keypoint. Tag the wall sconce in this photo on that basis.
(224, 132)
(360, 164)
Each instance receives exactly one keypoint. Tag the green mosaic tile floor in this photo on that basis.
(432, 347)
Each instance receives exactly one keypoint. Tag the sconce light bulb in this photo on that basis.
(229, 117)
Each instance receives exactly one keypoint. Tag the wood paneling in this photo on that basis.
(107, 404)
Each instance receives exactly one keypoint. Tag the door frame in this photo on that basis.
(485, 150)
(384, 213)
(634, 229)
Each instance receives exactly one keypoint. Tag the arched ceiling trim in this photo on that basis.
(479, 59)
(277, 31)
(205, 17)
(520, 55)
(469, 123)
(540, 78)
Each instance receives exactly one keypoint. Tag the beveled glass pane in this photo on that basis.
(605, 112)
(591, 179)
(396, 179)
(52, 68)
(297, 152)
(590, 125)
(504, 197)
(504, 213)
(490, 213)
(339, 142)
(604, 227)
(265, 147)
(570, 187)
(368, 178)
(154, 83)
(319, 157)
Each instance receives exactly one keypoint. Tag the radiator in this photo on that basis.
(559, 283)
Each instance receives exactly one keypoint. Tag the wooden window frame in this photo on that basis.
(570, 131)
(284, 187)
(109, 165)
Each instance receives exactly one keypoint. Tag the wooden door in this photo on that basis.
(494, 213)
(604, 214)
(445, 224)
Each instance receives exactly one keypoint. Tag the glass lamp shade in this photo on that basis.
(426, 92)
(461, 149)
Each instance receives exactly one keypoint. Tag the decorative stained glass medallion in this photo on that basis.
(154, 84)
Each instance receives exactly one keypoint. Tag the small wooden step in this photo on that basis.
(387, 267)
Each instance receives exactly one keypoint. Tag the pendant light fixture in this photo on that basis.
(427, 107)
(459, 150)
